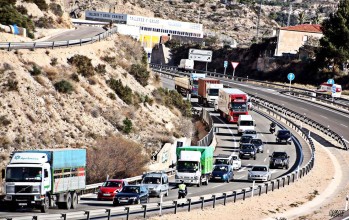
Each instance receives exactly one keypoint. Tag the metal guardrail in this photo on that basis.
(52, 44)
(206, 117)
(212, 199)
(215, 74)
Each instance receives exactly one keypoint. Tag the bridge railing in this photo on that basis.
(52, 44)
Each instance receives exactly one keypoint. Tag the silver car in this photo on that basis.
(156, 183)
(258, 144)
(259, 173)
(251, 133)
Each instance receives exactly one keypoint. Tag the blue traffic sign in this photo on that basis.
(290, 76)
(149, 54)
(333, 89)
(225, 64)
(330, 81)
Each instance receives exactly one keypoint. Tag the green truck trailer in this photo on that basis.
(194, 164)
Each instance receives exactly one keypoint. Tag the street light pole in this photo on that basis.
(259, 15)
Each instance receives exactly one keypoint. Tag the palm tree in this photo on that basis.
(301, 17)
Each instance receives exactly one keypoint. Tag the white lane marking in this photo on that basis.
(274, 171)
(304, 108)
(265, 159)
(267, 151)
(217, 186)
(323, 116)
(241, 170)
(346, 141)
(344, 125)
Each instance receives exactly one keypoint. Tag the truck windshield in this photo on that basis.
(239, 106)
(23, 174)
(246, 123)
(187, 166)
(213, 92)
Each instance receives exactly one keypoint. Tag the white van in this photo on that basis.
(245, 122)
(186, 64)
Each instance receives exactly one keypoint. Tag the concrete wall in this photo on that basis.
(291, 41)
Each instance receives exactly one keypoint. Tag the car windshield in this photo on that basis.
(259, 169)
(221, 161)
(239, 106)
(23, 174)
(245, 139)
(257, 141)
(213, 92)
(250, 132)
(151, 180)
(246, 123)
(111, 184)
(247, 147)
(284, 133)
(221, 168)
(279, 154)
(131, 189)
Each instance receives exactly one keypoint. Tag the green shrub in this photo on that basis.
(45, 22)
(21, 9)
(12, 85)
(111, 96)
(75, 77)
(83, 65)
(63, 86)
(140, 73)
(9, 15)
(100, 68)
(56, 9)
(35, 71)
(53, 61)
(124, 92)
(127, 125)
(4, 121)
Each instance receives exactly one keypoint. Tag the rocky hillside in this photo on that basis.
(69, 97)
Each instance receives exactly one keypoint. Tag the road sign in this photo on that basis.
(200, 55)
(234, 64)
(290, 76)
(149, 54)
(333, 89)
(225, 64)
(330, 81)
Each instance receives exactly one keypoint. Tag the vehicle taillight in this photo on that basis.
(338, 89)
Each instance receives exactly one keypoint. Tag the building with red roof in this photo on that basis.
(291, 38)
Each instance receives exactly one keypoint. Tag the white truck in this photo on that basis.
(208, 91)
(186, 65)
(44, 178)
(194, 165)
(245, 122)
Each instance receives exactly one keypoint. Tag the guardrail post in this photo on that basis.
(234, 192)
(293, 177)
(36, 217)
(272, 185)
(244, 194)
(87, 213)
(278, 180)
(266, 188)
(144, 211)
(99, 37)
(9, 46)
(80, 42)
(175, 203)
(127, 209)
(288, 180)
(283, 181)
(260, 190)
(202, 202)
(67, 43)
(34, 45)
(225, 198)
(214, 201)
(53, 45)
(108, 211)
(189, 204)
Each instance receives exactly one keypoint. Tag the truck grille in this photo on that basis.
(23, 189)
(24, 198)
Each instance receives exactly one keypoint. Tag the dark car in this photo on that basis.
(279, 159)
(283, 136)
(131, 194)
(223, 173)
(258, 144)
(110, 188)
(245, 139)
(247, 151)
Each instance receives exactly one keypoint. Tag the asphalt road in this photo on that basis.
(80, 33)
(227, 142)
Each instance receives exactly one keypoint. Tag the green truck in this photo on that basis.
(194, 164)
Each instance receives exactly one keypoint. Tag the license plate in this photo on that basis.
(123, 200)
(106, 194)
(22, 204)
(217, 177)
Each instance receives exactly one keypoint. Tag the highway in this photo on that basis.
(80, 33)
(227, 142)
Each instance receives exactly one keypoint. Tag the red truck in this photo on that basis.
(231, 103)
(208, 90)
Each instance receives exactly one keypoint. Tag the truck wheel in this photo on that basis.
(67, 203)
(199, 184)
(74, 202)
(45, 206)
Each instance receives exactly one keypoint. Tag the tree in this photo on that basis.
(302, 17)
(334, 44)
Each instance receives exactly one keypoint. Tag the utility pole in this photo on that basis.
(289, 15)
(199, 16)
(259, 15)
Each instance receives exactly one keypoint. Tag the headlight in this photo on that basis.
(133, 198)
(241, 152)
(252, 152)
(36, 189)
(116, 191)
(10, 189)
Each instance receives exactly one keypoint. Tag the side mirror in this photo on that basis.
(3, 173)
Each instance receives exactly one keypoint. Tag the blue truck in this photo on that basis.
(45, 178)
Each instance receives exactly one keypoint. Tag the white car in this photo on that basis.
(259, 173)
(236, 162)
